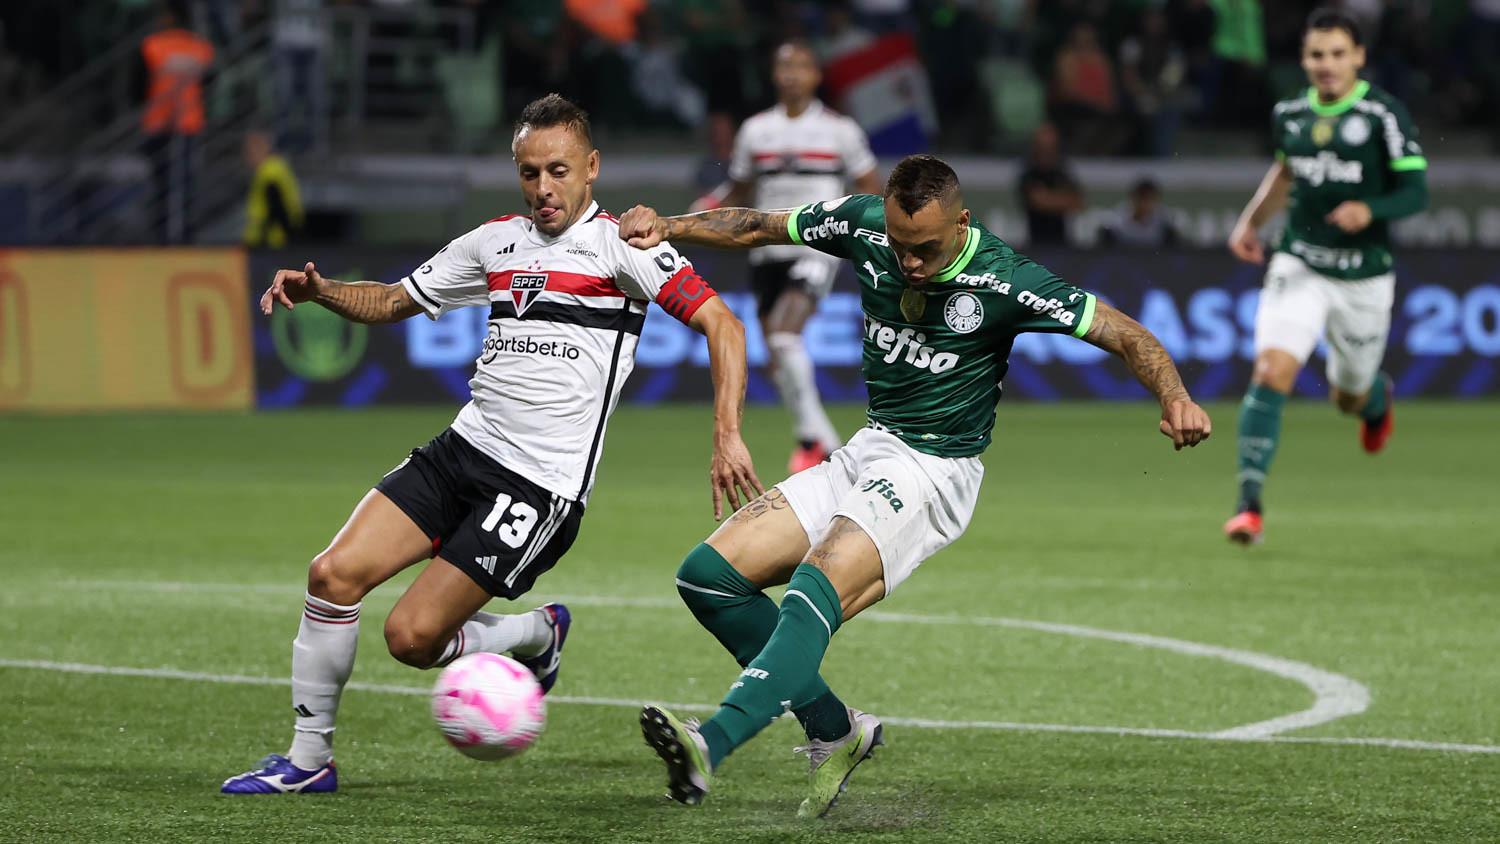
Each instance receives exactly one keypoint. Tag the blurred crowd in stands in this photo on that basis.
(1117, 77)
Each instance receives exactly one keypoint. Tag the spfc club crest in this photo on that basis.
(524, 288)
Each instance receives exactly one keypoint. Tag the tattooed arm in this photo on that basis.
(721, 228)
(357, 301)
(1181, 418)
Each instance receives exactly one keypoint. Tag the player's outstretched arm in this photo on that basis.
(732, 472)
(357, 301)
(1181, 418)
(721, 228)
(1269, 199)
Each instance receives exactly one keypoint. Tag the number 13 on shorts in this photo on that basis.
(516, 531)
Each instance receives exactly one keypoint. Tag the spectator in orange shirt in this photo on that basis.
(176, 60)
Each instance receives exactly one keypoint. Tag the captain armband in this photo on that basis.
(683, 294)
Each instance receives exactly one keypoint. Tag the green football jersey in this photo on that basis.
(1335, 152)
(933, 363)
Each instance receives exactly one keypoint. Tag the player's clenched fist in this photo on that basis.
(290, 287)
(1185, 423)
(641, 227)
(1245, 243)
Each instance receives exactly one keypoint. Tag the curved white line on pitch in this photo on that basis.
(925, 723)
(1335, 696)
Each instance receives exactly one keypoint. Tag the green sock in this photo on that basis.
(783, 675)
(1260, 429)
(742, 618)
(1378, 401)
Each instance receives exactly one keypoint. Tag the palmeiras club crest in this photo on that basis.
(524, 288)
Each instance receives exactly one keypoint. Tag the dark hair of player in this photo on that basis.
(1326, 18)
(554, 110)
(1145, 187)
(920, 179)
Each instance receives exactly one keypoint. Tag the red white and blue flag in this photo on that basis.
(883, 86)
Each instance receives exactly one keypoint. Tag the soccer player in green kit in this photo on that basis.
(943, 301)
(1347, 163)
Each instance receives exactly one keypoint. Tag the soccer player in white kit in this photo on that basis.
(797, 152)
(496, 499)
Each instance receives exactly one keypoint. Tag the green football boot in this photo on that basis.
(679, 744)
(831, 763)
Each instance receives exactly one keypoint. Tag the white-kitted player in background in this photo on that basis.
(797, 152)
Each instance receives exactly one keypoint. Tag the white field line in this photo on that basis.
(921, 723)
(1334, 695)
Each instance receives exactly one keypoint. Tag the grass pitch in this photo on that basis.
(180, 543)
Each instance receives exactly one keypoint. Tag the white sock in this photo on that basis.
(322, 660)
(527, 634)
(799, 390)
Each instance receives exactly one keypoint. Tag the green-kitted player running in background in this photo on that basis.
(943, 301)
(1347, 163)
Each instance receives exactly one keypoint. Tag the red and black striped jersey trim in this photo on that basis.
(611, 318)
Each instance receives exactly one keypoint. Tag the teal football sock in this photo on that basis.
(743, 618)
(1260, 431)
(784, 675)
(1378, 402)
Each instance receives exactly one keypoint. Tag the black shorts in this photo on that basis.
(492, 524)
(772, 278)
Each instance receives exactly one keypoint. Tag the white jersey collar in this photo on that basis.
(814, 108)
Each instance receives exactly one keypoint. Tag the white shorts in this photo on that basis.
(909, 503)
(1298, 305)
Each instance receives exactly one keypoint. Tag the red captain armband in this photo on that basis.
(683, 294)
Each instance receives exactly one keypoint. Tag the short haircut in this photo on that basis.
(918, 180)
(1144, 186)
(1325, 18)
(553, 110)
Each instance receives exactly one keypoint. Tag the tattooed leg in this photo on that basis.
(849, 559)
(763, 541)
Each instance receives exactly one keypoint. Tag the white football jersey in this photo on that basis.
(565, 316)
(796, 160)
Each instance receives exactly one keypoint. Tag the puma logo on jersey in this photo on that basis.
(908, 345)
(874, 274)
(883, 488)
(1326, 166)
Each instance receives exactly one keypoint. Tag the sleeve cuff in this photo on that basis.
(1086, 321)
(791, 225)
(1410, 162)
(428, 305)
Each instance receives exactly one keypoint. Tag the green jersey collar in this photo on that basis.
(962, 259)
(1340, 105)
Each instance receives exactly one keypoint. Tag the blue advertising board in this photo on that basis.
(1445, 338)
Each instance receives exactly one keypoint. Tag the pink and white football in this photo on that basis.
(488, 706)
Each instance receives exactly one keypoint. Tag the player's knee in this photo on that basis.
(706, 571)
(333, 577)
(783, 344)
(1279, 372)
(411, 643)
